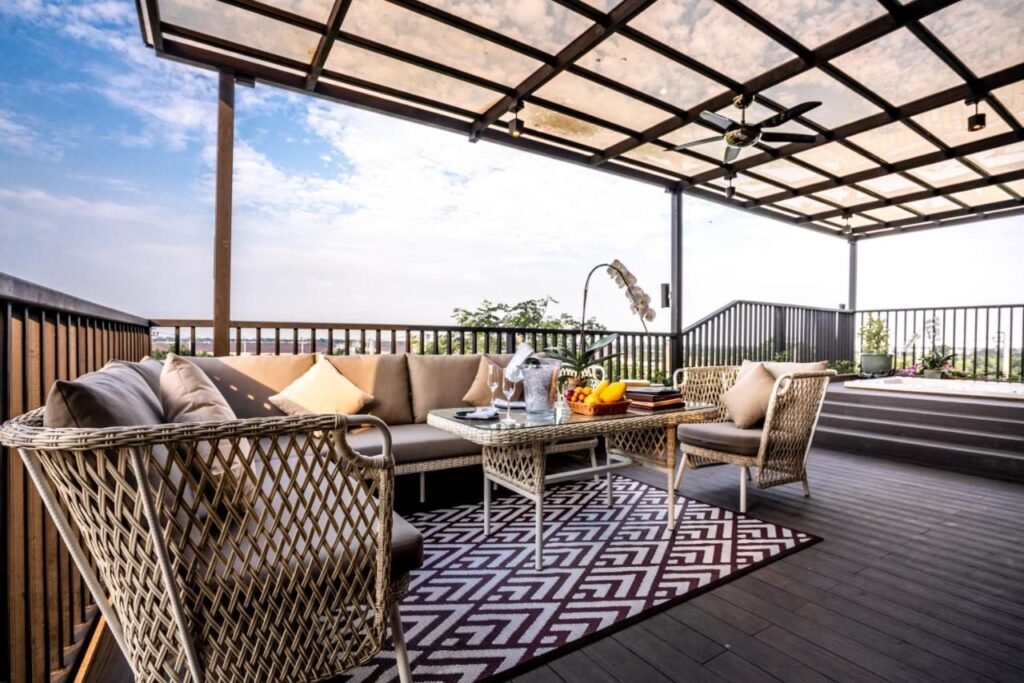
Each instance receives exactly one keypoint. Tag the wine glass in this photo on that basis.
(508, 388)
(493, 379)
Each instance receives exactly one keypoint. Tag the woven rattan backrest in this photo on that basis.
(792, 416)
(285, 579)
(708, 385)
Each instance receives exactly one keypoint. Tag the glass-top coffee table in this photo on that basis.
(514, 454)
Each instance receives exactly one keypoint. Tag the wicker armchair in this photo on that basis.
(777, 451)
(281, 568)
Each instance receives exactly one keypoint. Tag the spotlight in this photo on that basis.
(515, 126)
(976, 121)
(730, 190)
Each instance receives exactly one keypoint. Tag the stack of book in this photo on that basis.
(653, 399)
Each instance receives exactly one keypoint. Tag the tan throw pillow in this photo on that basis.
(747, 401)
(188, 395)
(777, 369)
(321, 390)
(479, 393)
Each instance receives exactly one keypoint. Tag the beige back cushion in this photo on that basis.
(248, 382)
(439, 381)
(386, 378)
(747, 400)
(779, 369)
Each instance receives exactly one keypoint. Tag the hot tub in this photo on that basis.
(945, 387)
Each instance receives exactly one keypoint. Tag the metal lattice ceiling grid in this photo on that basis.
(617, 85)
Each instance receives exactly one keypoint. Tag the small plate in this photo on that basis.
(465, 415)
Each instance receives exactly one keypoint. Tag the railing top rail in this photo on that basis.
(936, 308)
(23, 292)
(289, 325)
(732, 304)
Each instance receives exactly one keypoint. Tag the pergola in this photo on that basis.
(617, 85)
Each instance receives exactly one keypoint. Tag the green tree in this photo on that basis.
(529, 313)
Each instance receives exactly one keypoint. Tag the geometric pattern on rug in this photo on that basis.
(478, 608)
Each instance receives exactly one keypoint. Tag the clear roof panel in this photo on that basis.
(944, 173)
(1001, 159)
(949, 123)
(1012, 97)
(815, 22)
(788, 173)
(892, 185)
(350, 60)
(672, 161)
(391, 25)
(987, 35)
(980, 196)
(752, 187)
(899, 67)
(804, 205)
(931, 205)
(845, 196)
(835, 158)
(1017, 186)
(709, 33)
(570, 128)
(318, 10)
(889, 214)
(893, 142)
(860, 221)
(839, 104)
(586, 96)
(542, 23)
(242, 27)
(630, 63)
(603, 5)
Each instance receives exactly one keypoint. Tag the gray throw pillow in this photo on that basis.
(119, 395)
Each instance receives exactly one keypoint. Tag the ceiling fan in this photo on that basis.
(740, 135)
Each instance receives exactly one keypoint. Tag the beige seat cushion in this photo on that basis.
(386, 378)
(439, 382)
(721, 436)
(248, 382)
(321, 390)
(119, 395)
(414, 443)
(747, 400)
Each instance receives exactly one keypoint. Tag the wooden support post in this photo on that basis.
(852, 298)
(676, 359)
(222, 229)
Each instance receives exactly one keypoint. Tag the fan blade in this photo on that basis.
(731, 153)
(790, 113)
(787, 137)
(718, 121)
(694, 143)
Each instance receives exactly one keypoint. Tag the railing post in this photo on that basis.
(676, 284)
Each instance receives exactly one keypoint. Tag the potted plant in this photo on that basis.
(575, 361)
(874, 344)
(935, 362)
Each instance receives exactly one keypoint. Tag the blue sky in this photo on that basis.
(106, 163)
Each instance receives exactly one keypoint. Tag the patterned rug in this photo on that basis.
(479, 609)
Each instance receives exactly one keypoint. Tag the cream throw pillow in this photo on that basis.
(321, 390)
(187, 396)
(479, 393)
(747, 401)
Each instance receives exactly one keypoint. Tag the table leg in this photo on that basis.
(609, 485)
(487, 506)
(539, 511)
(670, 460)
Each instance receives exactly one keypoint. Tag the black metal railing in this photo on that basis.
(987, 341)
(754, 330)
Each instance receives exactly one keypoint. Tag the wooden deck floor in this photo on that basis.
(919, 578)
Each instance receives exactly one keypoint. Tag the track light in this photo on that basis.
(976, 121)
(515, 126)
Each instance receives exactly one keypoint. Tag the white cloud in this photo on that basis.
(21, 139)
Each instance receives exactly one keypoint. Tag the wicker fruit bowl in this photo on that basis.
(617, 408)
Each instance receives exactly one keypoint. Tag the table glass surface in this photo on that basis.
(561, 416)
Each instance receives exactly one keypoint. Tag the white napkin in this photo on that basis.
(484, 413)
(523, 352)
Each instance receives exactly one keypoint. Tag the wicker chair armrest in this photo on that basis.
(794, 407)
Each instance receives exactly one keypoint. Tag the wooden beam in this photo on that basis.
(589, 39)
(222, 226)
(323, 48)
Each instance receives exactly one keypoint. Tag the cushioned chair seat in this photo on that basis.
(406, 548)
(414, 443)
(721, 436)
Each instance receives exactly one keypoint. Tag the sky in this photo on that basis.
(106, 192)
